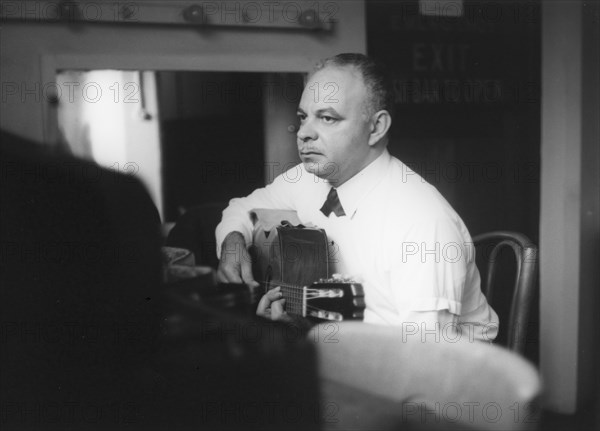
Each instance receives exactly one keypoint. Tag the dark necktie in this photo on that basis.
(332, 204)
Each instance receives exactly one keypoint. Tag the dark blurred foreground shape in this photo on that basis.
(92, 338)
(79, 289)
(195, 231)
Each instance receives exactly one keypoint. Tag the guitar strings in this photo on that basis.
(287, 285)
(295, 298)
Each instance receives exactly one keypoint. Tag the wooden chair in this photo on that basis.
(488, 246)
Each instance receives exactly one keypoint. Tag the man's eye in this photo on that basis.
(327, 119)
(301, 117)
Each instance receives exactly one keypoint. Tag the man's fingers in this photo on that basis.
(269, 297)
(264, 305)
(272, 306)
(221, 278)
(229, 275)
(247, 276)
(274, 294)
(264, 313)
(233, 259)
(278, 310)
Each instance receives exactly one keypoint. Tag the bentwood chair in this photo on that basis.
(519, 291)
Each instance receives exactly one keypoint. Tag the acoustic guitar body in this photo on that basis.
(296, 259)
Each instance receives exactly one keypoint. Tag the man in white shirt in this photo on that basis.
(392, 231)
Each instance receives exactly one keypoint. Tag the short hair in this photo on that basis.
(375, 77)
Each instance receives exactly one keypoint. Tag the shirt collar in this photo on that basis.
(356, 188)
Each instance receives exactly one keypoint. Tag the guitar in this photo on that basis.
(296, 259)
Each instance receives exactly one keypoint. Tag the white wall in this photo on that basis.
(570, 204)
(142, 140)
(105, 122)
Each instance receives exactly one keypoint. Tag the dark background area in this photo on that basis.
(212, 138)
(467, 105)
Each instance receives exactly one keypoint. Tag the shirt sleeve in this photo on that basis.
(428, 325)
(429, 266)
(441, 325)
(434, 279)
(236, 217)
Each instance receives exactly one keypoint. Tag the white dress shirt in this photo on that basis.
(400, 238)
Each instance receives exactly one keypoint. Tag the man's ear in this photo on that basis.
(380, 124)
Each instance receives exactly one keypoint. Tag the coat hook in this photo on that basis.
(194, 14)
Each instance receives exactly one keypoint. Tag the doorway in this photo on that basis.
(192, 137)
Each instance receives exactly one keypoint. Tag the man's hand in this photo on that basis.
(235, 265)
(272, 306)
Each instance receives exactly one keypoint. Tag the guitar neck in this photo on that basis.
(295, 299)
(308, 301)
(295, 296)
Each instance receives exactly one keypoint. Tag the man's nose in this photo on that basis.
(306, 132)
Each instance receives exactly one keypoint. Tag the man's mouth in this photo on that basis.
(309, 153)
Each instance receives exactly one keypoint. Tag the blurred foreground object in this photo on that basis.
(80, 286)
(382, 378)
(102, 331)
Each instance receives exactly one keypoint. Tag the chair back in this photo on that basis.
(524, 285)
